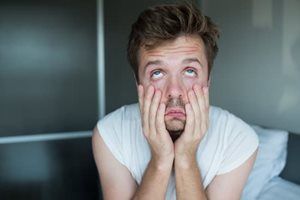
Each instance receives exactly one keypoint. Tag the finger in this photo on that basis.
(141, 96)
(160, 119)
(146, 106)
(153, 111)
(200, 98)
(203, 109)
(203, 92)
(189, 125)
(206, 96)
(197, 112)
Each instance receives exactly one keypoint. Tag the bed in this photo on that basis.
(278, 188)
(265, 181)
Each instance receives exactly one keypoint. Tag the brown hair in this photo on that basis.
(161, 23)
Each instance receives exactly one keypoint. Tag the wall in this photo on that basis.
(120, 83)
(48, 99)
(47, 66)
(256, 74)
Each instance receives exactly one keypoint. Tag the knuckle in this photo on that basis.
(198, 137)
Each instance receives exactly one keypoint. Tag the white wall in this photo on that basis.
(257, 72)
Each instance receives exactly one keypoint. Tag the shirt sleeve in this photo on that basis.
(241, 143)
(110, 129)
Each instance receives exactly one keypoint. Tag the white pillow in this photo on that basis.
(270, 160)
(280, 189)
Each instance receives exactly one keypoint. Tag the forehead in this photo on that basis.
(174, 51)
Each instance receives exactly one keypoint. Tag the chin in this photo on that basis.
(175, 125)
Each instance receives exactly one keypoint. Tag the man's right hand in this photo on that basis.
(153, 124)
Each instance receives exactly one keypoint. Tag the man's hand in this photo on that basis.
(197, 122)
(156, 177)
(187, 173)
(154, 129)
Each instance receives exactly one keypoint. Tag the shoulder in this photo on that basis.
(117, 125)
(234, 129)
(229, 121)
(238, 140)
(217, 113)
(118, 129)
(220, 119)
(130, 111)
(126, 113)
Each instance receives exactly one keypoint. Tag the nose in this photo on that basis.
(174, 88)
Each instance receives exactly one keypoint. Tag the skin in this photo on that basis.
(176, 72)
(174, 104)
(174, 69)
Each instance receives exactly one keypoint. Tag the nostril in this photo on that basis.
(172, 96)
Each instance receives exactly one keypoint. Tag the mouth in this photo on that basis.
(175, 113)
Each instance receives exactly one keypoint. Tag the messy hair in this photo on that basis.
(167, 22)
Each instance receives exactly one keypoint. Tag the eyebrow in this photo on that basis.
(185, 61)
(153, 62)
(190, 60)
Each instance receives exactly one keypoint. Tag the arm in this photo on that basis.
(188, 178)
(189, 181)
(155, 180)
(187, 174)
(227, 186)
(116, 181)
(230, 185)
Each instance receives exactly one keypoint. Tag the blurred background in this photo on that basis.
(63, 67)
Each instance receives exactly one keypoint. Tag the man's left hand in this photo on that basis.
(197, 122)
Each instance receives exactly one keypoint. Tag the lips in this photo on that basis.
(175, 112)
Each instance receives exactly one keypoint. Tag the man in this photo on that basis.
(173, 144)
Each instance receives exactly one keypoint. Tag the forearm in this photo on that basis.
(155, 181)
(188, 181)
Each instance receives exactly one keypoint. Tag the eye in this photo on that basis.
(156, 74)
(190, 72)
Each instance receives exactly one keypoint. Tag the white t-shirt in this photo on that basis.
(227, 144)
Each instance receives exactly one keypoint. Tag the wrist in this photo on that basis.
(185, 161)
(162, 163)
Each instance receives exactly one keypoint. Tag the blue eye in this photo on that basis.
(156, 74)
(190, 72)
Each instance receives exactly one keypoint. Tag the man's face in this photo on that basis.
(173, 68)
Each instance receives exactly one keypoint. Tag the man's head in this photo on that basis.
(172, 47)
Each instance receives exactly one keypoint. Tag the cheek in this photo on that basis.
(159, 85)
(190, 82)
(156, 84)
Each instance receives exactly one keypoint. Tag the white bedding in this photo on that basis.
(280, 189)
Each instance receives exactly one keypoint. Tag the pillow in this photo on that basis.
(270, 160)
(279, 189)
